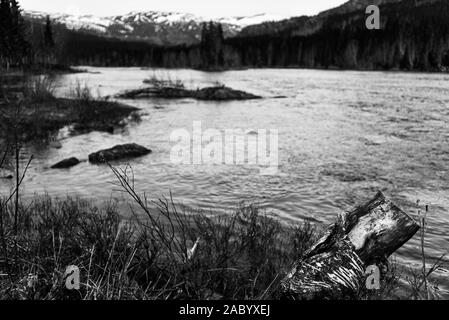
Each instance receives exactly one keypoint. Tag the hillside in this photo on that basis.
(414, 35)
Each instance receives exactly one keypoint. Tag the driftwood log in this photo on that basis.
(334, 267)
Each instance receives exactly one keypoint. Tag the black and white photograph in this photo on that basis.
(203, 151)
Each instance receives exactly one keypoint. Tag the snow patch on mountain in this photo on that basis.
(250, 20)
(168, 18)
(153, 26)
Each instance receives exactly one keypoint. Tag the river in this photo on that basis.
(342, 135)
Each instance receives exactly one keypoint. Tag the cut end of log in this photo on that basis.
(335, 264)
(378, 228)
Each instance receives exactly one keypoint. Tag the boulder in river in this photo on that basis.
(6, 174)
(119, 152)
(67, 163)
(55, 144)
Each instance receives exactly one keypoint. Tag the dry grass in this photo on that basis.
(162, 252)
(81, 92)
(422, 285)
(39, 89)
(241, 255)
(160, 80)
(237, 257)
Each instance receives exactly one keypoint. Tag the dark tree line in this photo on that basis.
(411, 38)
(49, 41)
(13, 46)
(77, 48)
(20, 44)
(212, 46)
(87, 49)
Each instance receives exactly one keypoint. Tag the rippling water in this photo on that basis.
(342, 137)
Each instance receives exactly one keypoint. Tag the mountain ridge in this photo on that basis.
(156, 27)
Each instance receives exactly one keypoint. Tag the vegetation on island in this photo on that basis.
(159, 87)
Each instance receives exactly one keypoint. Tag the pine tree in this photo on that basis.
(48, 34)
(5, 32)
(212, 53)
(18, 43)
(16, 14)
(5, 16)
(220, 45)
(13, 47)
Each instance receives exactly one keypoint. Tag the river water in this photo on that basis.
(342, 135)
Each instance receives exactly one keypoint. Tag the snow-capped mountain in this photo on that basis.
(156, 27)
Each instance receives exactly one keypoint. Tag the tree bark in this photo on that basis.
(334, 267)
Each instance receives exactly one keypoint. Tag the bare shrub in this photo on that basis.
(39, 89)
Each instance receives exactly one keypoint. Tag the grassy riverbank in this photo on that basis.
(239, 256)
(162, 251)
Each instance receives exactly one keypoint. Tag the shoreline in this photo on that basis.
(144, 68)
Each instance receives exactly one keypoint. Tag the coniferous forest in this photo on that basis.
(411, 38)
(13, 47)
(23, 44)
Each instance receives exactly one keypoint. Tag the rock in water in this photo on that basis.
(6, 174)
(67, 163)
(131, 150)
(55, 144)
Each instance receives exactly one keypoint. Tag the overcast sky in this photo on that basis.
(207, 8)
